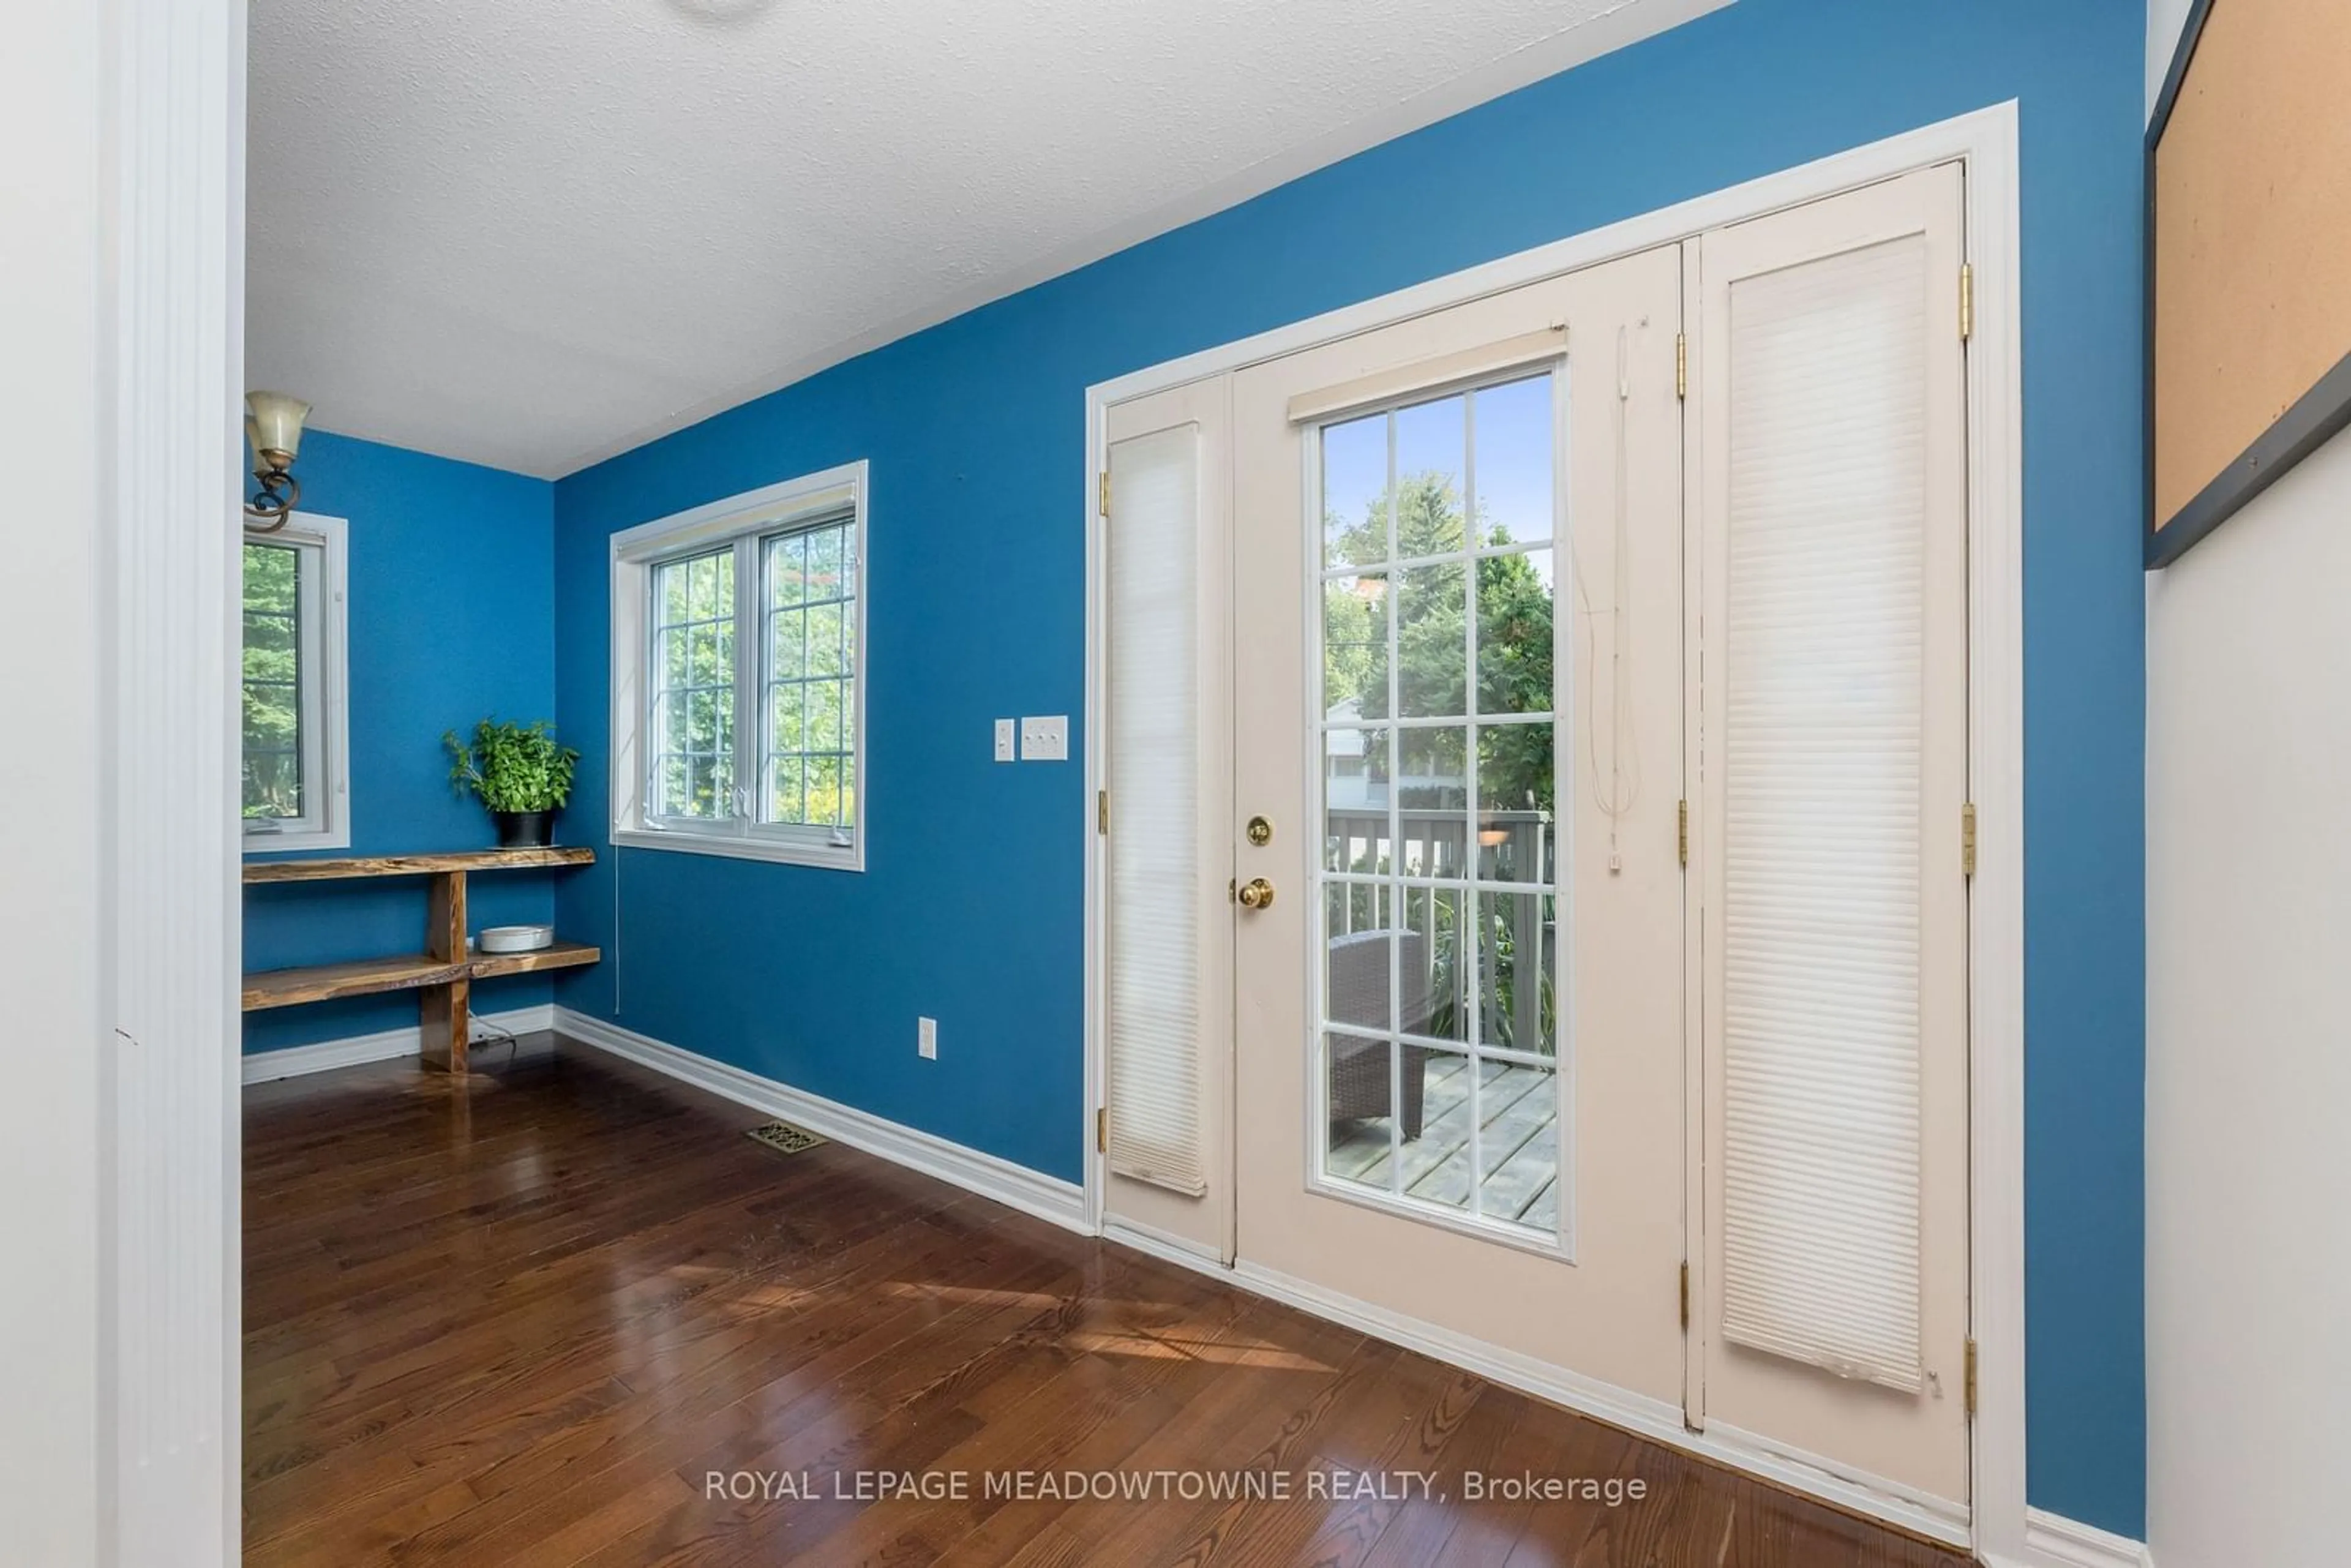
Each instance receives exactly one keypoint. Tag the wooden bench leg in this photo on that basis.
(448, 1023)
(444, 1011)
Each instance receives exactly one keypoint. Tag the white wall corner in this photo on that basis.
(54, 1127)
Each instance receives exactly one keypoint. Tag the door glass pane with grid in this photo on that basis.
(1439, 893)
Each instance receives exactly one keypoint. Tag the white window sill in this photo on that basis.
(744, 847)
(287, 843)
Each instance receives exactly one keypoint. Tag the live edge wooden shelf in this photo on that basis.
(445, 972)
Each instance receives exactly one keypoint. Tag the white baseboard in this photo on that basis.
(1047, 1197)
(295, 1061)
(1163, 1245)
(2052, 1541)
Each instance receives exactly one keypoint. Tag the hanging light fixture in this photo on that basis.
(273, 425)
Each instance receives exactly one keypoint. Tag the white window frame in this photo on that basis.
(324, 628)
(743, 521)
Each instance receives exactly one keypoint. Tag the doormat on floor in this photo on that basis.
(783, 1137)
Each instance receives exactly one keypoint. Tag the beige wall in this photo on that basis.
(49, 824)
(2248, 1031)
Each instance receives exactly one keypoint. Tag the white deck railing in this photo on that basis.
(1513, 847)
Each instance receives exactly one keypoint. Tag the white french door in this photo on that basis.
(1536, 741)
(1457, 1076)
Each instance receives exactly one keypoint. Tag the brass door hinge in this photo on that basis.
(1681, 831)
(1101, 811)
(1102, 503)
(1681, 364)
(1968, 1379)
(1101, 1130)
(1685, 1295)
(1967, 839)
(1967, 302)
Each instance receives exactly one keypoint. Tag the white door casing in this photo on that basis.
(171, 384)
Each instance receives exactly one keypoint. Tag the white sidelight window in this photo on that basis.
(739, 693)
(294, 689)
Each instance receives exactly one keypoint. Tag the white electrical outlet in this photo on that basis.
(1045, 739)
(926, 1038)
(1006, 740)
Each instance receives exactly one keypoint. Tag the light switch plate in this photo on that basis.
(926, 1038)
(1045, 739)
(1006, 741)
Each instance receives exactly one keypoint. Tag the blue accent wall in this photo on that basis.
(971, 909)
(452, 616)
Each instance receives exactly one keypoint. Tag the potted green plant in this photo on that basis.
(520, 774)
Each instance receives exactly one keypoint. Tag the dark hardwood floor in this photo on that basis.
(525, 1322)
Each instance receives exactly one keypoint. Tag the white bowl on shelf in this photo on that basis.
(517, 938)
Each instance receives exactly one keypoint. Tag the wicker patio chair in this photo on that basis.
(1359, 995)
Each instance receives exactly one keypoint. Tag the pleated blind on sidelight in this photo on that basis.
(1823, 747)
(1153, 914)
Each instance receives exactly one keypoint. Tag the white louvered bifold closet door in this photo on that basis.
(1823, 703)
(1154, 921)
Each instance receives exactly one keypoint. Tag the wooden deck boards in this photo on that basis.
(1519, 1143)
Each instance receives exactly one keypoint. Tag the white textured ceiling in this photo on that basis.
(534, 233)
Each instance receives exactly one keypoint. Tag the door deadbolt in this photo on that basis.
(1261, 832)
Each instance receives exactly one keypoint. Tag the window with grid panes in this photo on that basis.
(291, 689)
(751, 613)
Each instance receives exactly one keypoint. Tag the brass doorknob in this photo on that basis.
(1257, 894)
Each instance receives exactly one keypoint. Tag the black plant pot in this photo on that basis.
(524, 830)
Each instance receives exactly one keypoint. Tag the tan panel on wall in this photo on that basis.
(2252, 226)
